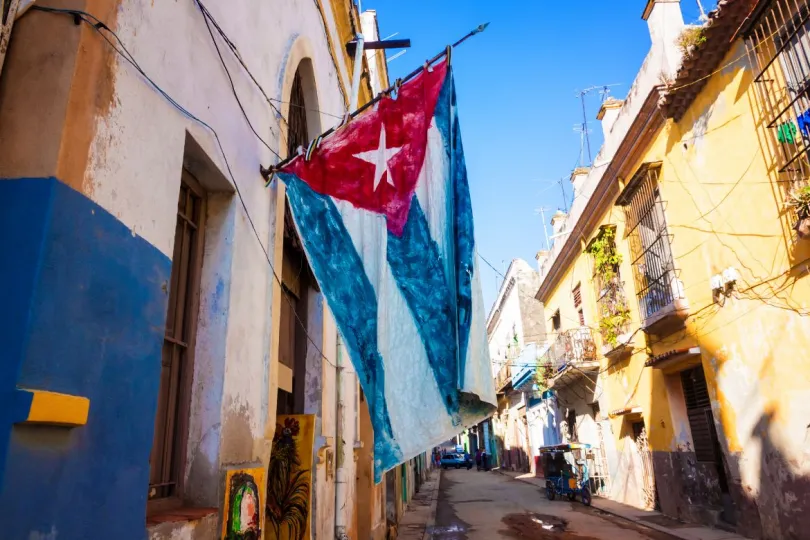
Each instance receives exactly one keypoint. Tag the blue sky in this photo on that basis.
(516, 86)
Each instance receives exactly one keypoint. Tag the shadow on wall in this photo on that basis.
(760, 482)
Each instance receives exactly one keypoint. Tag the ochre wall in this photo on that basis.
(724, 203)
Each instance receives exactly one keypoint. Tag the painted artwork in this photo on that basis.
(289, 478)
(243, 518)
(383, 210)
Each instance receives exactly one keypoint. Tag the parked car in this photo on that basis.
(456, 461)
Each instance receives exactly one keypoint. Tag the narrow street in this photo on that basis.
(484, 506)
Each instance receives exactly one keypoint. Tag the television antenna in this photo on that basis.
(542, 211)
(585, 139)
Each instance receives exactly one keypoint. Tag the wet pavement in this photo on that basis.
(477, 505)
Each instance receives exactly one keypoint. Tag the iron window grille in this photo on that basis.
(778, 45)
(654, 272)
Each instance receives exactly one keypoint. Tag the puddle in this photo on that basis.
(534, 526)
(448, 525)
(448, 531)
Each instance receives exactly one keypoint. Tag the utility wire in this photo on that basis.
(270, 101)
(208, 20)
(98, 26)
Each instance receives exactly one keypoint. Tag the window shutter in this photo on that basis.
(699, 411)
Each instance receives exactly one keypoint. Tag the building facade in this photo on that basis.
(163, 329)
(514, 322)
(689, 245)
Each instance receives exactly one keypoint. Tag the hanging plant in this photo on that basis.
(799, 201)
(614, 312)
(612, 324)
(606, 259)
(544, 373)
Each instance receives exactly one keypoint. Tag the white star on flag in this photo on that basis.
(379, 158)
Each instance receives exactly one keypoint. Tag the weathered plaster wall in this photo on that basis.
(723, 208)
(70, 107)
(515, 312)
(717, 162)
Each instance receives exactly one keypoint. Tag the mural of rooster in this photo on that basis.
(288, 486)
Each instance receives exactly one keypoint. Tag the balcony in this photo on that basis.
(571, 356)
(663, 305)
(504, 377)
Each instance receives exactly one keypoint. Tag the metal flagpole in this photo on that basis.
(266, 172)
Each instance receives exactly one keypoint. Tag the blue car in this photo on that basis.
(456, 461)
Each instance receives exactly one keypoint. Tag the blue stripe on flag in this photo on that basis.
(461, 210)
(418, 270)
(351, 298)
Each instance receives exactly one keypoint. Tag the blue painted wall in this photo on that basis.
(84, 307)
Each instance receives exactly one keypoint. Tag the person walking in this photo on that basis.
(478, 459)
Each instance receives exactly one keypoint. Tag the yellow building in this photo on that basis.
(683, 261)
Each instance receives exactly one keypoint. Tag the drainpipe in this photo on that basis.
(358, 72)
(341, 487)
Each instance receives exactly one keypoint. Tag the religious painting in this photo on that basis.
(243, 509)
(289, 478)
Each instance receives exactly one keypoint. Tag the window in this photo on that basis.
(297, 132)
(167, 460)
(778, 45)
(571, 420)
(597, 412)
(578, 304)
(653, 265)
(296, 275)
(556, 322)
(699, 411)
(638, 430)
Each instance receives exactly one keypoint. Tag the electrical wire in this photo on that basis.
(207, 18)
(98, 26)
(270, 101)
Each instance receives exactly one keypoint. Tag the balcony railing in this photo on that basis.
(572, 349)
(504, 376)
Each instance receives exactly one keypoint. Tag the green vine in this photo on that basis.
(612, 324)
(544, 373)
(606, 259)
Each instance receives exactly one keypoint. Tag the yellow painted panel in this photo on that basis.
(285, 378)
(58, 409)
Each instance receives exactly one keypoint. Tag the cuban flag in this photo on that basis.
(383, 210)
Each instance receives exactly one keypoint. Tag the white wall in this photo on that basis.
(515, 312)
(134, 172)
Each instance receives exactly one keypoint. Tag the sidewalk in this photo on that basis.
(647, 518)
(420, 517)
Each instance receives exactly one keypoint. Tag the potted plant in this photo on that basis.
(799, 201)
